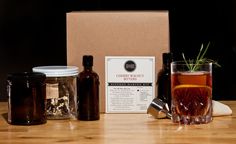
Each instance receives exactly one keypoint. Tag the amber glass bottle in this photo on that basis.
(163, 80)
(88, 91)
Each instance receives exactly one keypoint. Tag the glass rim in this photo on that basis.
(184, 63)
(26, 76)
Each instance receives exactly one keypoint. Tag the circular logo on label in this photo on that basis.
(130, 66)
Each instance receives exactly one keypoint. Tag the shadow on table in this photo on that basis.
(5, 116)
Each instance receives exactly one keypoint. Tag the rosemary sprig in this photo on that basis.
(193, 65)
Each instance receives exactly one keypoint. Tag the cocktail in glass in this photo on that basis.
(191, 91)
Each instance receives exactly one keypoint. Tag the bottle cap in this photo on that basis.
(87, 60)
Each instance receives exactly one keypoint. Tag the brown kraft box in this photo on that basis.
(116, 33)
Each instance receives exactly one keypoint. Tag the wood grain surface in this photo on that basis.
(120, 129)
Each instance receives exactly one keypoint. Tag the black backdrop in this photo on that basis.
(33, 33)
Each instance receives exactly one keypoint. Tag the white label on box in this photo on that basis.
(130, 83)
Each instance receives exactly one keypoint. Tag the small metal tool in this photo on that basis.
(159, 109)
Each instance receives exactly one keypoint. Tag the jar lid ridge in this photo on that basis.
(57, 71)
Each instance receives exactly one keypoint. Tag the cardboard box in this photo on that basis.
(116, 33)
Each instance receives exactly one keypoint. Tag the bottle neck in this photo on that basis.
(166, 59)
(88, 68)
(166, 66)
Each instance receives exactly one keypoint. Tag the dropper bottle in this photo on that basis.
(88, 91)
(164, 79)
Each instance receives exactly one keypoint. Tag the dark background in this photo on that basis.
(33, 33)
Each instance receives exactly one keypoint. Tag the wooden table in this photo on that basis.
(120, 129)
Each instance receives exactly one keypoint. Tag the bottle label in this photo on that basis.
(52, 91)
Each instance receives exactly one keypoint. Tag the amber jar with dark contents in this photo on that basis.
(26, 98)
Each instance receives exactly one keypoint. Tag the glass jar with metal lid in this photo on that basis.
(61, 91)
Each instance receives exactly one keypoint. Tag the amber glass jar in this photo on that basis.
(26, 98)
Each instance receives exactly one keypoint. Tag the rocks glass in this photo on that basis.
(191, 90)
